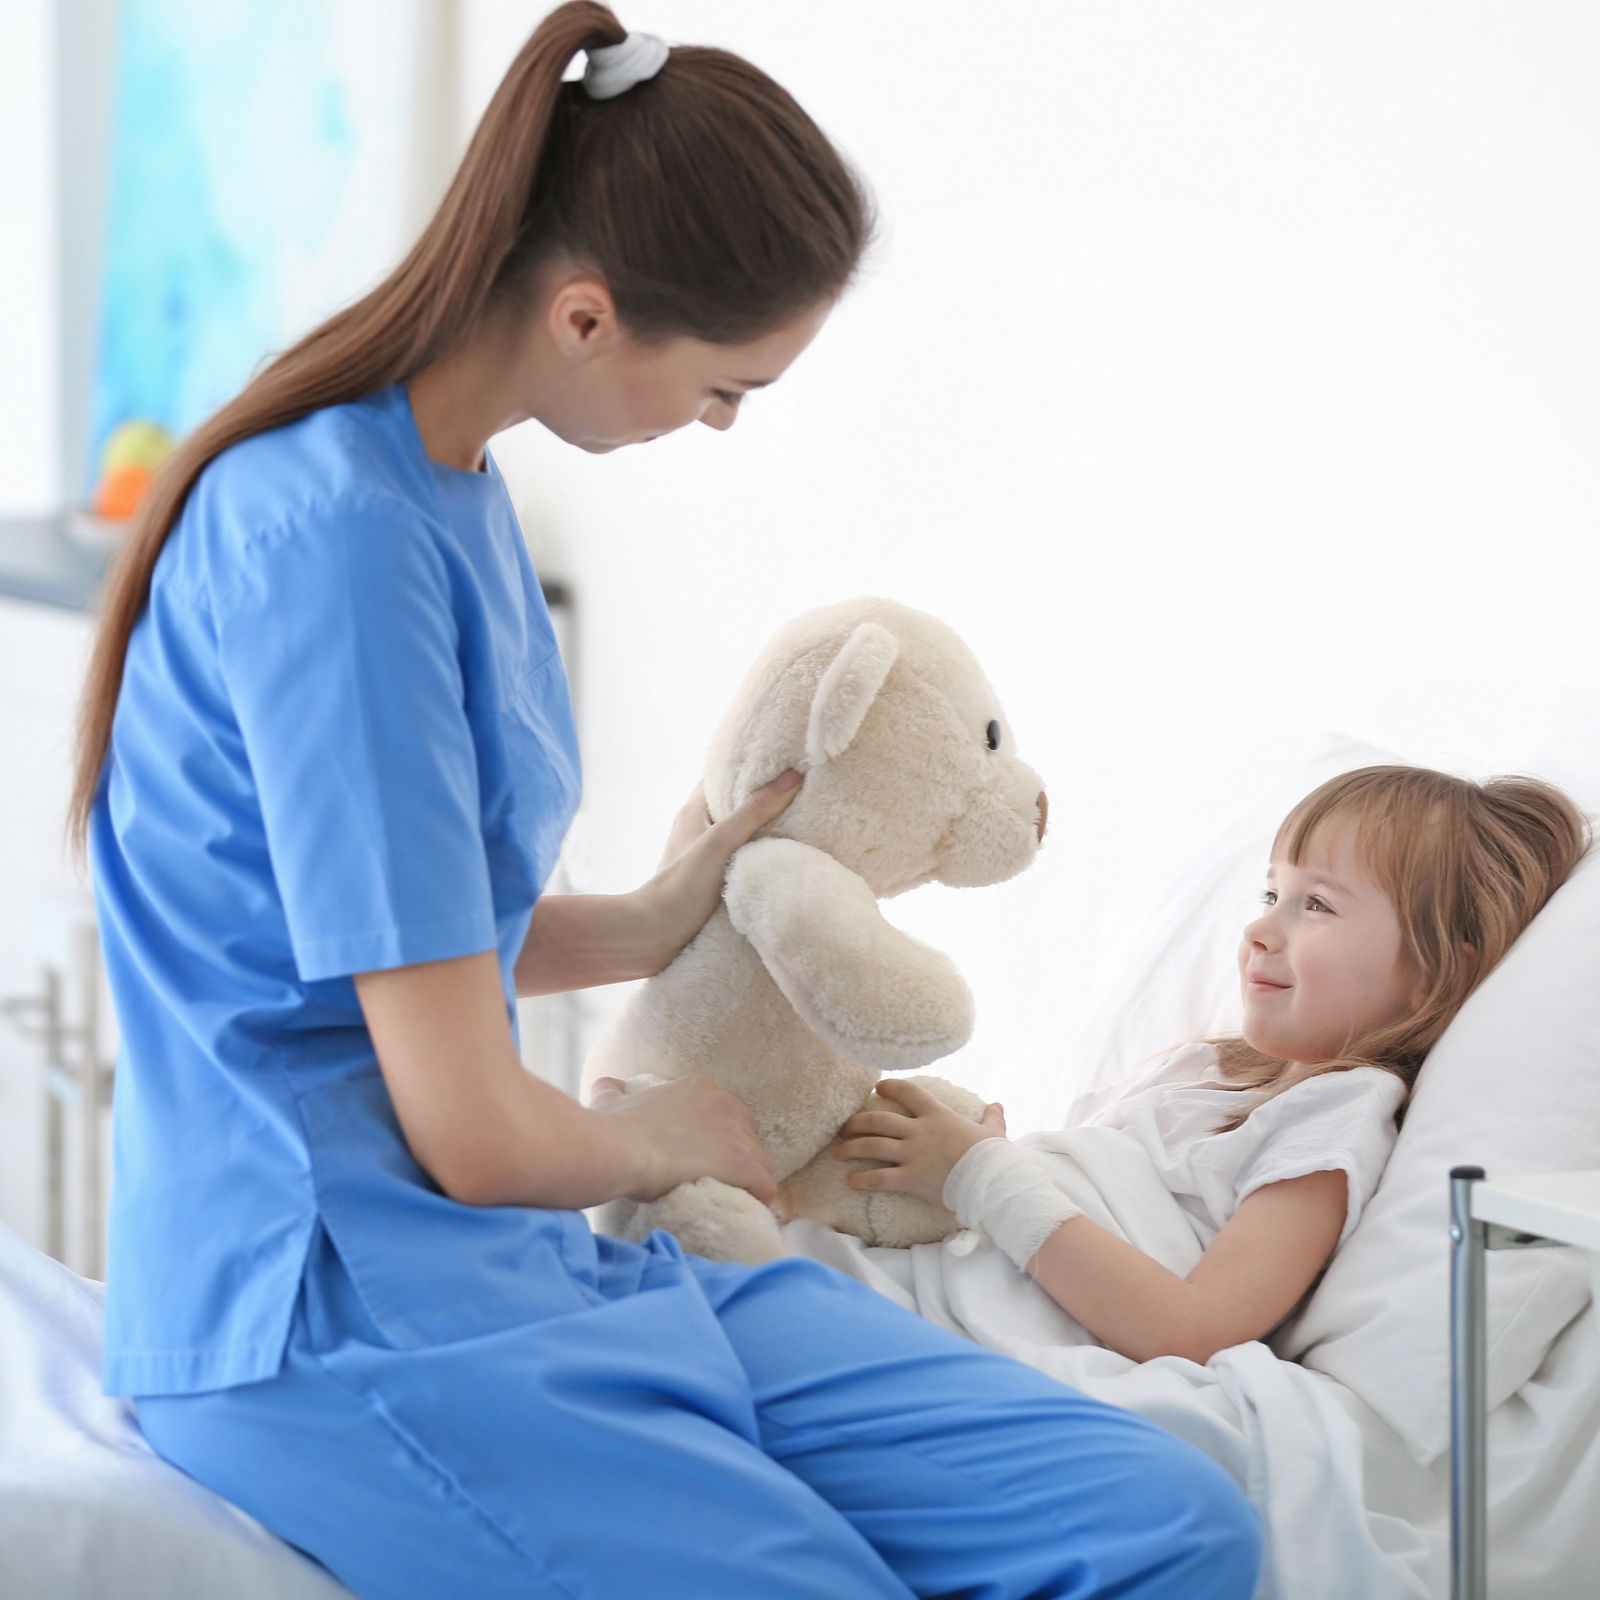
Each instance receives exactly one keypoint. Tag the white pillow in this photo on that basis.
(1513, 1087)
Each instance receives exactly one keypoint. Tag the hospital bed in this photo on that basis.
(1340, 1432)
(1512, 1088)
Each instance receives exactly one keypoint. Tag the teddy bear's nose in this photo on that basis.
(1044, 814)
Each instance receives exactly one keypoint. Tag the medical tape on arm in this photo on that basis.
(1005, 1191)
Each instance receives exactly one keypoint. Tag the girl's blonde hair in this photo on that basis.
(1467, 867)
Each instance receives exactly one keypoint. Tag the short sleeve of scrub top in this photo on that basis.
(339, 647)
(344, 742)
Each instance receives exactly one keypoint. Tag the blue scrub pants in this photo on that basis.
(817, 1441)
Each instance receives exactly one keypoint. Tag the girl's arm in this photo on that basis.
(576, 941)
(490, 1133)
(1250, 1277)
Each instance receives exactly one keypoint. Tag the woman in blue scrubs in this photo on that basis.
(327, 761)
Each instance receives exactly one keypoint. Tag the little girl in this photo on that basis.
(1392, 892)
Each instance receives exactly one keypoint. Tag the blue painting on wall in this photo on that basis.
(260, 177)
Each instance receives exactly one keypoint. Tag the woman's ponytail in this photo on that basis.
(708, 201)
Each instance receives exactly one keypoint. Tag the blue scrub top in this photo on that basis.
(344, 741)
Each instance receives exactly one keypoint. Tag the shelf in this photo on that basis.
(40, 561)
(1564, 1206)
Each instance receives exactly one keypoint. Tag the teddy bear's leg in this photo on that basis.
(819, 1188)
(716, 1220)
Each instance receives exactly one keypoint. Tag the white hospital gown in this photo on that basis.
(1340, 1121)
(1158, 1139)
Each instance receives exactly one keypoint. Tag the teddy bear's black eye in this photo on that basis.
(994, 735)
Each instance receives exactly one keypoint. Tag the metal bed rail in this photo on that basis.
(1471, 1238)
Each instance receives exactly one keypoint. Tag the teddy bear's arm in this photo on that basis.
(874, 993)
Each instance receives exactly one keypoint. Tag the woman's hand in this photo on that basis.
(576, 940)
(921, 1141)
(690, 822)
(688, 1128)
(687, 887)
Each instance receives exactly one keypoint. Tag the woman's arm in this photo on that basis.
(576, 941)
(490, 1133)
(1250, 1277)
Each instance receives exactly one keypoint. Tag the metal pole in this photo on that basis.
(91, 1106)
(1468, 1450)
(58, 1090)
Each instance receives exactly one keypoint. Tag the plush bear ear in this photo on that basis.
(847, 691)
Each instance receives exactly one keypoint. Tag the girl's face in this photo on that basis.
(618, 391)
(1324, 963)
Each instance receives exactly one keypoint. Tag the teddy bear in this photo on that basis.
(799, 994)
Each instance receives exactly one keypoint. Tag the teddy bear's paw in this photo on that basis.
(902, 1220)
(720, 1222)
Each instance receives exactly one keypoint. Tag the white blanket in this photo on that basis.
(87, 1511)
(1288, 1435)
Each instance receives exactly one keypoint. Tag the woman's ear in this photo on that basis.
(847, 690)
(581, 317)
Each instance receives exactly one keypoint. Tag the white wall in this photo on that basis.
(30, 461)
(86, 38)
(1223, 373)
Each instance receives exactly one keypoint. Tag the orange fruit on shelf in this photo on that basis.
(120, 491)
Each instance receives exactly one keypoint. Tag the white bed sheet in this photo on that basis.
(87, 1510)
(1348, 1512)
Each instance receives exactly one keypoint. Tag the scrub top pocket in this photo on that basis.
(429, 1269)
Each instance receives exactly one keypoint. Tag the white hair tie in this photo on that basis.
(613, 69)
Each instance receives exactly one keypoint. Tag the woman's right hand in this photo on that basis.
(688, 1128)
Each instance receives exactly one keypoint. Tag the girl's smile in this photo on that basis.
(1325, 963)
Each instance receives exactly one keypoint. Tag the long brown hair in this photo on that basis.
(707, 201)
(1467, 867)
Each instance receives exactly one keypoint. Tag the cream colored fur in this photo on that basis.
(798, 993)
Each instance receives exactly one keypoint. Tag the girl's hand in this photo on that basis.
(687, 1128)
(687, 887)
(920, 1142)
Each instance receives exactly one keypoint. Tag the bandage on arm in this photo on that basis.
(1004, 1190)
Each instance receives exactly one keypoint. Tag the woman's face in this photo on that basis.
(1325, 962)
(616, 390)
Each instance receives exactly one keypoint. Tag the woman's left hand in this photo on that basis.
(921, 1141)
(687, 887)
